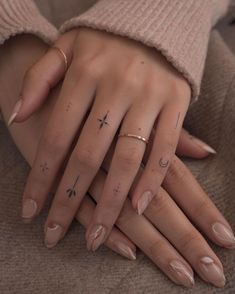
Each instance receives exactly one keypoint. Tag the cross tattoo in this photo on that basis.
(103, 121)
(44, 167)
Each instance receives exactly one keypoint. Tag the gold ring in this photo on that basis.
(61, 52)
(134, 136)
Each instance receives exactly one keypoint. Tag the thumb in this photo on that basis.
(190, 146)
(40, 78)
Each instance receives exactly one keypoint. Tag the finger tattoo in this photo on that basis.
(103, 121)
(117, 190)
(44, 167)
(72, 191)
(163, 163)
(177, 122)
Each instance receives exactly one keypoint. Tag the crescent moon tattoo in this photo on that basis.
(163, 163)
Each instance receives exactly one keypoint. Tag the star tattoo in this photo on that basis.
(103, 121)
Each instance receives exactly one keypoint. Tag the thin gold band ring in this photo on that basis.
(134, 137)
(61, 52)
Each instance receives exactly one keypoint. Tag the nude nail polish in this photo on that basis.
(203, 145)
(126, 251)
(181, 274)
(29, 209)
(15, 111)
(211, 272)
(144, 201)
(224, 235)
(96, 237)
(53, 235)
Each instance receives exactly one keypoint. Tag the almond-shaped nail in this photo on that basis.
(211, 272)
(224, 235)
(144, 201)
(182, 275)
(53, 235)
(29, 209)
(203, 145)
(126, 251)
(15, 111)
(96, 237)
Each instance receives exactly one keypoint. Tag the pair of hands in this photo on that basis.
(177, 231)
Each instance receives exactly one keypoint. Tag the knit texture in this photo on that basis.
(23, 16)
(178, 29)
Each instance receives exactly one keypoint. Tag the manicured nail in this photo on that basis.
(15, 111)
(126, 251)
(224, 235)
(182, 274)
(53, 235)
(203, 145)
(96, 237)
(29, 209)
(144, 201)
(211, 272)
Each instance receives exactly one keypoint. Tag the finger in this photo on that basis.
(116, 241)
(190, 146)
(185, 238)
(166, 138)
(183, 187)
(86, 159)
(148, 239)
(68, 113)
(42, 77)
(125, 164)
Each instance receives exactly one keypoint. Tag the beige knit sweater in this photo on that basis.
(180, 29)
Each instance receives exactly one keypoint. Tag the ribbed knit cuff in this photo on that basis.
(23, 16)
(179, 29)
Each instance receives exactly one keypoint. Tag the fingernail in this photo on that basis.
(126, 251)
(53, 235)
(203, 145)
(96, 237)
(223, 234)
(29, 209)
(182, 274)
(211, 272)
(144, 201)
(15, 111)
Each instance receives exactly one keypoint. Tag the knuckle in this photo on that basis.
(52, 144)
(31, 73)
(189, 238)
(177, 172)
(159, 202)
(200, 207)
(88, 69)
(128, 159)
(129, 81)
(86, 158)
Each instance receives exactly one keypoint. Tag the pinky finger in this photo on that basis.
(116, 241)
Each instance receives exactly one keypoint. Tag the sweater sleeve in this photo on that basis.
(179, 29)
(23, 16)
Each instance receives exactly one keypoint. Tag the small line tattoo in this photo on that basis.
(103, 120)
(117, 190)
(178, 118)
(163, 163)
(68, 106)
(72, 191)
(44, 167)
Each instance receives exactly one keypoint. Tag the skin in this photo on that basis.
(122, 84)
(162, 240)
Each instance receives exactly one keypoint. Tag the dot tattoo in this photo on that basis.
(163, 163)
(117, 190)
(72, 191)
(103, 120)
(177, 122)
(44, 167)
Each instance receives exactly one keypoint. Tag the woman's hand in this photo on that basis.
(122, 84)
(179, 184)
